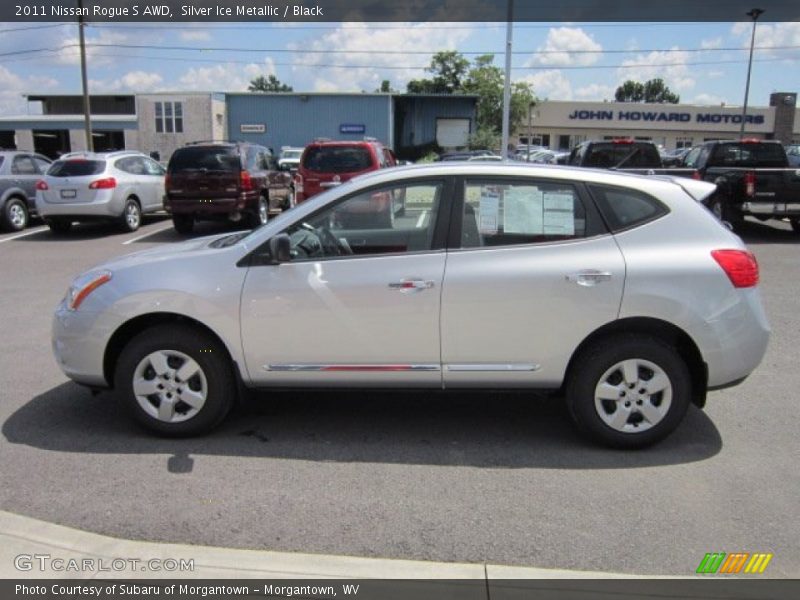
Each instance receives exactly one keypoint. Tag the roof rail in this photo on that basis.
(322, 139)
(195, 142)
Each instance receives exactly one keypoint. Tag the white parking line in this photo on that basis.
(141, 237)
(422, 218)
(19, 235)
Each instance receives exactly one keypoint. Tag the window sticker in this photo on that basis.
(559, 213)
(523, 210)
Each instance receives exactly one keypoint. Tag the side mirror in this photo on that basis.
(280, 249)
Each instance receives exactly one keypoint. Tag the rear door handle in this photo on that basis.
(411, 285)
(589, 277)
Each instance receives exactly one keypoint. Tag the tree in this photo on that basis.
(652, 91)
(448, 68)
(271, 84)
(386, 87)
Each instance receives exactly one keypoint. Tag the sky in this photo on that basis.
(705, 63)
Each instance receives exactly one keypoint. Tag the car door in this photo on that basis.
(25, 174)
(355, 305)
(531, 272)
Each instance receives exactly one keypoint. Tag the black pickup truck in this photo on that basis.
(753, 177)
(624, 154)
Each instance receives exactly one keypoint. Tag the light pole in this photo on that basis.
(753, 14)
(87, 119)
(507, 83)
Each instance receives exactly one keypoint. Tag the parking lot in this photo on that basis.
(477, 477)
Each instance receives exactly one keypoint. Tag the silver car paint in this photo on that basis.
(670, 276)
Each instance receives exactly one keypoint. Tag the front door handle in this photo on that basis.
(411, 285)
(589, 277)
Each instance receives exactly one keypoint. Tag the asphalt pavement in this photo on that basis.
(498, 478)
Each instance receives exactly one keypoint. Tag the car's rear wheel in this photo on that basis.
(59, 226)
(628, 391)
(176, 381)
(795, 221)
(262, 212)
(15, 215)
(131, 215)
(184, 224)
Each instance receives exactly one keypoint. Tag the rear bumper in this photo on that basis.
(208, 206)
(777, 209)
(105, 206)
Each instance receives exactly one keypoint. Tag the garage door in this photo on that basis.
(452, 133)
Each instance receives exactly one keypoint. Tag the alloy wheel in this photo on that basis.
(170, 386)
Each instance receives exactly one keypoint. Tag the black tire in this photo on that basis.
(131, 218)
(592, 367)
(795, 222)
(261, 214)
(215, 367)
(722, 209)
(59, 226)
(15, 215)
(184, 224)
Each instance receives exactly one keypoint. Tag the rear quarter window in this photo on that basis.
(624, 208)
(76, 168)
(337, 159)
(209, 159)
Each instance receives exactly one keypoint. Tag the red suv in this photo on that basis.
(326, 164)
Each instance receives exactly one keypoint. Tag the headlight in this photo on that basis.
(84, 285)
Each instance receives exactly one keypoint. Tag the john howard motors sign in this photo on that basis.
(664, 116)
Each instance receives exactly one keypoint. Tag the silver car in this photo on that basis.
(622, 292)
(82, 186)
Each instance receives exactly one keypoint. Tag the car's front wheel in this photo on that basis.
(176, 381)
(628, 391)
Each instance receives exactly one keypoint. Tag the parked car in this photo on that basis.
(486, 158)
(753, 177)
(85, 186)
(209, 181)
(793, 155)
(464, 155)
(625, 154)
(289, 159)
(549, 157)
(19, 172)
(622, 292)
(326, 164)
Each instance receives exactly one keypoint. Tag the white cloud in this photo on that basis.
(13, 86)
(595, 91)
(770, 35)
(709, 99)
(195, 36)
(550, 85)
(354, 43)
(224, 77)
(562, 46)
(134, 81)
(670, 66)
(711, 44)
(95, 56)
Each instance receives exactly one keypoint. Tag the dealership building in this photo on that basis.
(411, 124)
(563, 125)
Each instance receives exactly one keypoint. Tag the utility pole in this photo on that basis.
(507, 86)
(87, 119)
(753, 14)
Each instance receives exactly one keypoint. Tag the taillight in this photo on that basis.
(739, 265)
(42, 186)
(245, 181)
(167, 181)
(108, 183)
(298, 184)
(696, 175)
(750, 184)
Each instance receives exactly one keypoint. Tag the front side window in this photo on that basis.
(505, 214)
(391, 220)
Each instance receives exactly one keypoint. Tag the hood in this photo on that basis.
(163, 252)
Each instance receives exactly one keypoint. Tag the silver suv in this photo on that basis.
(622, 292)
(83, 186)
(19, 172)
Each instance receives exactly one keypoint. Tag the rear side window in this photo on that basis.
(76, 168)
(623, 208)
(209, 159)
(337, 159)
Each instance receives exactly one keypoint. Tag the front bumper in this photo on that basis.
(79, 341)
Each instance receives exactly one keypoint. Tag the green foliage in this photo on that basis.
(428, 158)
(484, 139)
(652, 91)
(271, 84)
(386, 87)
(453, 74)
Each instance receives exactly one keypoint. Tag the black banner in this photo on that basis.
(376, 589)
(277, 11)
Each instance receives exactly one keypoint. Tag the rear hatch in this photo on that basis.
(326, 166)
(75, 181)
(202, 172)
